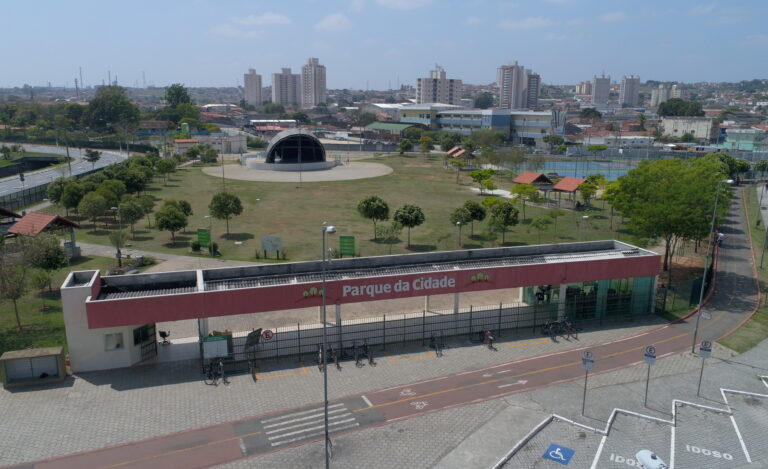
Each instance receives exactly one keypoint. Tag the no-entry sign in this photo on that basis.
(267, 335)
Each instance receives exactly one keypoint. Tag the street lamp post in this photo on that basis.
(326, 229)
(210, 233)
(706, 262)
(458, 226)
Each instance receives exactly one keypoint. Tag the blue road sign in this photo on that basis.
(559, 454)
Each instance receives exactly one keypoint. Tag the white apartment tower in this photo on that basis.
(630, 90)
(252, 85)
(312, 84)
(512, 81)
(286, 89)
(601, 87)
(659, 95)
(438, 89)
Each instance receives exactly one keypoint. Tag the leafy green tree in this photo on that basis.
(164, 168)
(13, 285)
(540, 224)
(171, 218)
(224, 205)
(375, 209)
(679, 107)
(480, 175)
(72, 195)
(486, 137)
(553, 140)
(6, 152)
(597, 148)
(273, 108)
(410, 216)
(476, 212)
(687, 137)
(587, 191)
(389, 233)
(590, 113)
(46, 253)
(554, 214)
(484, 101)
(459, 164)
(130, 211)
(412, 133)
(761, 166)
(147, 203)
(55, 189)
(449, 140)
(425, 145)
(489, 185)
(40, 280)
(525, 192)
(92, 156)
(92, 206)
(118, 239)
(404, 146)
(109, 107)
(176, 94)
(641, 120)
(460, 216)
(503, 214)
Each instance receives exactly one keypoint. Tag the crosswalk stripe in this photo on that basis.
(307, 417)
(293, 414)
(292, 440)
(309, 429)
(308, 423)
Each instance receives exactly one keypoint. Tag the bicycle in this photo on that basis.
(367, 353)
(488, 340)
(357, 355)
(570, 329)
(210, 374)
(334, 357)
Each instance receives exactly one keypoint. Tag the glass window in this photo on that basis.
(113, 341)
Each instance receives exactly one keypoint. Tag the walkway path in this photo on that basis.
(401, 387)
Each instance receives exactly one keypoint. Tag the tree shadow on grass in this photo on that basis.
(98, 232)
(422, 247)
(471, 246)
(513, 243)
(238, 236)
(142, 238)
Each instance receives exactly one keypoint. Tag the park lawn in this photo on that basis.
(755, 330)
(296, 214)
(42, 328)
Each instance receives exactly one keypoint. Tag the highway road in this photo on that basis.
(12, 184)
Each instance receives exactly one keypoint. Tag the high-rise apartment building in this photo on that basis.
(518, 87)
(438, 89)
(585, 87)
(533, 86)
(286, 89)
(252, 88)
(630, 90)
(659, 95)
(601, 88)
(312, 83)
(675, 92)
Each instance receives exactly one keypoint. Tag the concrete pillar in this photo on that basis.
(202, 327)
(561, 302)
(456, 303)
(426, 303)
(338, 328)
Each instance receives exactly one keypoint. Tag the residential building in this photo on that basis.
(601, 88)
(286, 88)
(675, 92)
(745, 139)
(659, 95)
(313, 90)
(702, 128)
(252, 88)
(438, 89)
(532, 90)
(585, 87)
(630, 90)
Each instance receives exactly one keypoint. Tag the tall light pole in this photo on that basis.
(326, 229)
(458, 234)
(706, 262)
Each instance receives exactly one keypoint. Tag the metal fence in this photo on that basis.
(397, 332)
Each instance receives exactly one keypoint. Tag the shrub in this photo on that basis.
(195, 245)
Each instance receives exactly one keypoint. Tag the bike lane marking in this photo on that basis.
(303, 371)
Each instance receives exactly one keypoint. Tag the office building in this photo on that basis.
(630, 90)
(533, 86)
(438, 89)
(312, 84)
(601, 88)
(286, 89)
(252, 88)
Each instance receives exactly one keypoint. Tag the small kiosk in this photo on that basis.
(33, 366)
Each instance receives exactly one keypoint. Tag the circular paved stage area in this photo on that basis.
(344, 172)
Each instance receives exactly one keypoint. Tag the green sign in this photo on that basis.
(347, 245)
(203, 237)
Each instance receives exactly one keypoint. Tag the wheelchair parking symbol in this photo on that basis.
(559, 454)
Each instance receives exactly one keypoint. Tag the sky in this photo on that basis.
(379, 44)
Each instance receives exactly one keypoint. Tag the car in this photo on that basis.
(649, 460)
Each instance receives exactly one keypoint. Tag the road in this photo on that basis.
(734, 297)
(12, 184)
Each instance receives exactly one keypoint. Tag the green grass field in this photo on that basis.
(296, 214)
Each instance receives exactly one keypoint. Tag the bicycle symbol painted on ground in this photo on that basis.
(407, 392)
(419, 404)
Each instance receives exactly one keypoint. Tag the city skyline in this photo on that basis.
(381, 44)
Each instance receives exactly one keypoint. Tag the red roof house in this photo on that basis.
(34, 223)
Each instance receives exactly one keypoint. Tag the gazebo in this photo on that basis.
(569, 185)
(34, 223)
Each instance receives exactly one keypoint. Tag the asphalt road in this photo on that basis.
(12, 184)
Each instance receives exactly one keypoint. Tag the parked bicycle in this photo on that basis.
(214, 371)
(368, 354)
(563, 328)
(334, 357)
(436, 345)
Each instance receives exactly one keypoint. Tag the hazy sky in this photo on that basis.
(379, 43)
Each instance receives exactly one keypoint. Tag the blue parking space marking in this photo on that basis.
(559, 454)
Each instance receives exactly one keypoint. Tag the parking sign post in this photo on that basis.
(587, 361)
(705, 349)
(650, 359)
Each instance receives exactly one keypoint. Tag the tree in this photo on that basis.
(410, 216)
(176, 94)
(91, 206)
(480, 175)
(147, 203)
(449, 140)
(540, 224)
(390, 233)
(457, 163)
(587, 191)
(46, 253)
(405, 146)
(489, 185)
(6, 152)
(273, 108)
(460, 216)
(553, 140)
(13, 285)
(525, 192)
(109, 107)
(596, 148)
(40, 280)
(476, 212)
(484, 101)
(425, 145)
(486, 137)
(590, 113)
(679, 107)
(641, 120)
(412, 133)
(165, 167)
(92, 156)
(224, 205)
(554, 214)
(503, 215)
(375, 209)
(130, 211)
(761, 166)
(171, 218)
(687, 137)
(72, 195)
(117, 239)
(55, 189)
